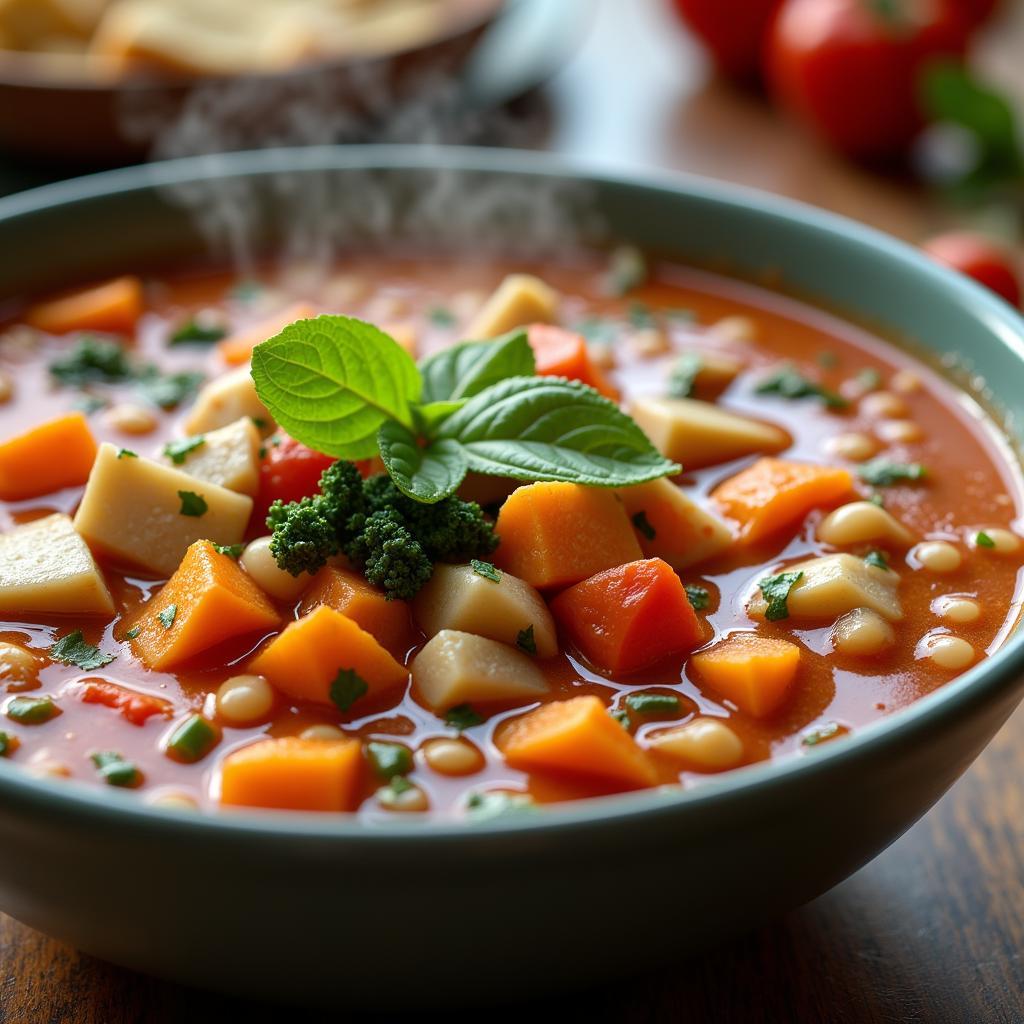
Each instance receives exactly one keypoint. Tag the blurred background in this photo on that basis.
(900, 113)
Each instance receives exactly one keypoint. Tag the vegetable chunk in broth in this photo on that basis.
(447, 539)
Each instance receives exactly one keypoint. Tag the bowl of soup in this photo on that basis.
(561, 558)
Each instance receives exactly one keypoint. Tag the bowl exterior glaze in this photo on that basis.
(301, 908)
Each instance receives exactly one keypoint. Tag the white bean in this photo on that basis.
(859, 522)
(244, 699)
(258, 561)
(883, 405)
(452, 757)
(938, 556)
(130, 419)
(862, 633)
(706, 743)
(899, 431)
(322, 731)
(853, 446)
(1003, 542)
(411, 799)
(956, 608)
(946, 651)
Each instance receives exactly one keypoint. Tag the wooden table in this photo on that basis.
(930, 932)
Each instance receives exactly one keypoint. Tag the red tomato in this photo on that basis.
(850, 70)
(288, 471)
(976, 12)
(733, 30)
(980, 258)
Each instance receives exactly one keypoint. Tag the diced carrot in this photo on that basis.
(310, 654)
(555, 534)
(349, 593)
(630, 617)
(237, 348)
(289, 773)
(577, 736)
(756, 673)
(208, 600)
(114, 306)
(135, 707)
(774, 494)
(56, 454)
(562, 353)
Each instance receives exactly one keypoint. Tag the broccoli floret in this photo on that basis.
(304, 538)
(391, 556)
(341, 490)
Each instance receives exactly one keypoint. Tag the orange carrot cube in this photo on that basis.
(756, 673)
(115, 307)
(562, 353)
(237, 348)
(56, 454)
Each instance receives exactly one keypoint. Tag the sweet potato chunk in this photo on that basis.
(630, 617)
(562, 353)
(293, 774)
(237, 348)
(115, 307)
(306, 659)
(208, 600)
(776, 494)
(756, 673)
(56, 454)
(350, 593)
(578, 737)
(555, 534)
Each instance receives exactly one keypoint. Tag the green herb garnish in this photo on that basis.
(178, 451)
(8, 744)
(193, 332)
(699, 597)
(32, 710)
(621, 716)
(395, 788)
(89, 404)
(776, 592)
(462, 716)
(642, 524)
(192, 740)
(439, 316)
(983, 540)
(819, 735)
(116, 771)
(640, 315)
(652, 703)
(869, 379)
(682, 381)
(627, 269)
(883, 473)
(93, 361)
(389, 759)
(231, 550)
(126, 453)
(73, 650)
(347, 688)
(497, 803)
(166, 617)
(525, 640)
(170, 390)
(877, 499)
(133, 633)
(878, 559)
(485, 569)
(788, 382)
(193, 504)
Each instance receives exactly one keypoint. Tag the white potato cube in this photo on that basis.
(137, 510)
(698, 434)
(45, 566)
(834, 585)
(672, 526)
(228, 457)
(456, 668)
(861, 521)
(224, 400)
(458, 598)
(519, 300)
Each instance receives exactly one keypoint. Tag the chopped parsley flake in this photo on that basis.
(640, 315)
(231, 550)
(819, 735)
(682, 380)
(883, 473)
(485, 569)
(73, 650)
(347, 688)
(259, 422)
(395, 788)
(983, 540)
(439, 316)
(166, 617)
(126, 453)
(525, 640)
(133, 633)
(462, 716)
(193, 504)
(178, 451)
(389, 759)
(776, 592)
(652, 703)
(700, 597)
(497, 804)
(642, 524)
(621, 716)
(878, 559)
(168, 391)
(788, 382)
(194, 332)
(93, 361)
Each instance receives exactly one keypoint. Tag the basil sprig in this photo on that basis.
(345, 388)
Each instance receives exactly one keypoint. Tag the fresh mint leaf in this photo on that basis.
(467, 369)
(525, 640)
(424, 474)
(73, 650)
(430, 416)
(776, 592)
(462, 716)
(884, 473)
(699, 597)
(179, 450)
(347, 688)
(548, 428)
(331, 382)
(486, 569)
(788, 382)
(192, 504)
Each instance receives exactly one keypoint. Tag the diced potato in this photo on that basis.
(226, 399)
(698, 434)
(228, 457)
(834, 585)
(519, 300)
(45, 566)
(714, 372)
(133, 509)
(683, 533)
(456, 668)
(861, 521)
(458, 598)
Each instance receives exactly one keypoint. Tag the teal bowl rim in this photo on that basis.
(999, 673)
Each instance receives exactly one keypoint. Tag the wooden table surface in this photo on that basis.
(933, 929)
